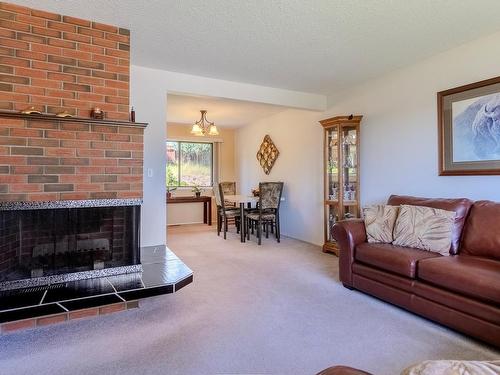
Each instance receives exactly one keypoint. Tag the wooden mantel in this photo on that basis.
(42, 117)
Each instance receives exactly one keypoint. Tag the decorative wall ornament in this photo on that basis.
(469, 129)
(97, 113)
(64, 114)
(267, 154)
(31, 111)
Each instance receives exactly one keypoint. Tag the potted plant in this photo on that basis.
(170, 190)
(196, 190)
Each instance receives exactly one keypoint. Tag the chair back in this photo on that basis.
(229, 188)
(221, 196)
(218, 201)
(270, 195)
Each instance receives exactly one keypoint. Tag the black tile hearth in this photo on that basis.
(79, 289)
(163, 273)
(157, 254)
(146, 292)
(12, 299)
(168, 272)
(85, 303)
(30, 312)
(126, 282)
(181, 284)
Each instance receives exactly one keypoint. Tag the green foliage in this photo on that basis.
(195, 164)
(172, 175)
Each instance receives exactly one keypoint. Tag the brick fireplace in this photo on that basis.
(70, 188)
(58, 63)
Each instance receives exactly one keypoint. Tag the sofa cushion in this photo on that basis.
(400, 260)
(482, 230)
(424, 228)
(475, 277)
(460, 206)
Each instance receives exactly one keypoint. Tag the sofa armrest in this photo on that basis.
(348, 234)
(342, 370)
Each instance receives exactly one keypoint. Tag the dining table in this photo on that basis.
(242, 200)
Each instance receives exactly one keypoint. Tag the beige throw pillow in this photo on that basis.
(424, 228)
(453, 367)
(379, 222)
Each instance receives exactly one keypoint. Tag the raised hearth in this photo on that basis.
(163, 273)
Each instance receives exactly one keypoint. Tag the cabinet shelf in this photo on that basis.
(331, 202)
(350, 203)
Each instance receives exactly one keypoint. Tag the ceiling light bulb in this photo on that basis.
(196, 130)
(213, 130)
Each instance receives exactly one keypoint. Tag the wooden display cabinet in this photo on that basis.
(341, 173)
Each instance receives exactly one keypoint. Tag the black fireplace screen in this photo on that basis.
(43, 242)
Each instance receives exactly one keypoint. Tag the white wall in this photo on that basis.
(399, 152)
(399, 135)
(149, 88)
(299, 138)
(398, 139)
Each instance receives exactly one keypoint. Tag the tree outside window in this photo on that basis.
(189, 164)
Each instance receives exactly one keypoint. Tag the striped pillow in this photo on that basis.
(424, 228)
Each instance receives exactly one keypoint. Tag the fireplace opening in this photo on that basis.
(38, 246)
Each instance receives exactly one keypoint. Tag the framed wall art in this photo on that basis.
(469, 129)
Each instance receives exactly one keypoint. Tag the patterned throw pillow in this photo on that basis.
(424, 228)
(453, 367)
(379, 222)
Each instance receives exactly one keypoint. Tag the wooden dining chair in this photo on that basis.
(229, 188)
(225, 214)
(268, 211)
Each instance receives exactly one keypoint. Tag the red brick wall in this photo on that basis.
(57, 63)
(46, 160)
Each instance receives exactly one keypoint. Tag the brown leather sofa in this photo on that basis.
(342, 370)
(461, 291)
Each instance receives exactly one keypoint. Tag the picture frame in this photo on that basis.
(469, 129)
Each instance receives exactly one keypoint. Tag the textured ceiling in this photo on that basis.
(318, 46)
(184, 109)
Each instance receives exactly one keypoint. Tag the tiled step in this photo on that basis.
(163, 273)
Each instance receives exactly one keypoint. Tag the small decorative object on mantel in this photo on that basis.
(256, 192)
(267, 154)
(469, 129)
(197, 191)
(132, 114)
(64, 114)
(31, 111)
(97, 113)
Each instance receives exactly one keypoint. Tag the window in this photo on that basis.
(189, 163)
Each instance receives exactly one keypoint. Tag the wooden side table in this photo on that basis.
(207, 205)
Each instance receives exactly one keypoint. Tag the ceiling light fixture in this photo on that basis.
(203, 127)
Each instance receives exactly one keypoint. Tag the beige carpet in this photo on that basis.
(273, 309)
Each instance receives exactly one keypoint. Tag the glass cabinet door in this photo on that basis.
(349, 170)
(332, 166)
(332, 188)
